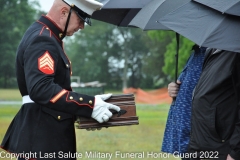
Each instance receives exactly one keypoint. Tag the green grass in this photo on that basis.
(134, 140)
(10, 95)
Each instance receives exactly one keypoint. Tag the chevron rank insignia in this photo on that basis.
(46, 63)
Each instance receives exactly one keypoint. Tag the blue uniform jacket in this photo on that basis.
(43, 72)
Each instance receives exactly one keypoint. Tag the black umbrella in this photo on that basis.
(119, 12)
(225, 6)
(147, 17)
(205, 26)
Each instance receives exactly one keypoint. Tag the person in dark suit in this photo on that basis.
(44, 124)
(215, 119)
(215, 108)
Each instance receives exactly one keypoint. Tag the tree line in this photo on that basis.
(118, 56)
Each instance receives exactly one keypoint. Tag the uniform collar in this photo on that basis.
(52, 26)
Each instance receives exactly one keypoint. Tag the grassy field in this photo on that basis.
(10, 95)
(134, 142)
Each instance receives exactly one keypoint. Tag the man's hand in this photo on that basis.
(101, 108)
(229, 157)
(173, 89)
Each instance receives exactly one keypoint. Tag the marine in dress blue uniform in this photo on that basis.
(45, 122)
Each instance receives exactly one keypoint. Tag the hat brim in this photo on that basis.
(85, 17)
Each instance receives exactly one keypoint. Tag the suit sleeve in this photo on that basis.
(41, 61)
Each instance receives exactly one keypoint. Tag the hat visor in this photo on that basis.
(85, 19)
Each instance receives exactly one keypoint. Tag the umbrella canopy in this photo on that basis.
(147, 17)
(205, 26)
(119, 12)
(225, 6)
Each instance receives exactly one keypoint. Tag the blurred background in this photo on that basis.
(129, 57)
(116, 58)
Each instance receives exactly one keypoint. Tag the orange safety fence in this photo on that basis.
(158, 96)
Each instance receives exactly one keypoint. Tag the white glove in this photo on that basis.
(101, 111)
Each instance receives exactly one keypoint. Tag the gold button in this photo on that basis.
(70, 62)
(47, 28)
(59, 117)
(72, 5)
(67, 65)
(71, 97)
(90, 102)
(60, 35)
(81, 99)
